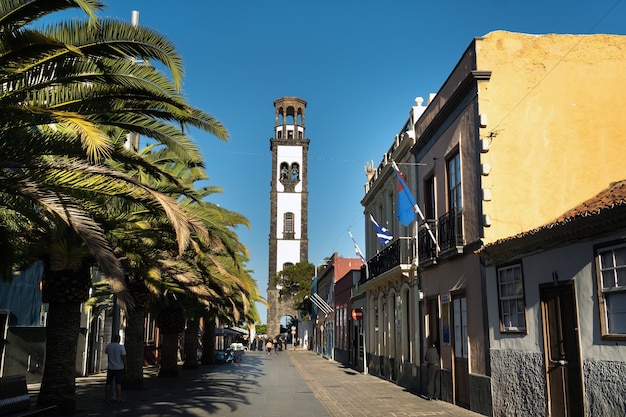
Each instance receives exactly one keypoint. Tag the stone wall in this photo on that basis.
(605, 390)
(518, 383)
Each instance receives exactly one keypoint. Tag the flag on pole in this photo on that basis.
(382, 233)
(357, 249)
(407, 207)
(406, 202)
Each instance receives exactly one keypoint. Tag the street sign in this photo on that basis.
(357, 314)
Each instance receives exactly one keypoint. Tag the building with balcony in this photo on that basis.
(524, 128)
(391, 287)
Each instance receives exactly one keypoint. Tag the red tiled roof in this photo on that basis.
(611, 198)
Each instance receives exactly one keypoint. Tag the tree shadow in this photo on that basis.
(214, 389)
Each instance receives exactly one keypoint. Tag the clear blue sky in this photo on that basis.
(358, 63)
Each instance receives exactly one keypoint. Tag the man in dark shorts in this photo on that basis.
(115, 369)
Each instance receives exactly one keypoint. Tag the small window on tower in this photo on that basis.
(288, 228)
(295, 171)
(284, 171)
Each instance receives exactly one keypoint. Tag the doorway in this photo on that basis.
(562, 350)
(461, 349)
(433, 320)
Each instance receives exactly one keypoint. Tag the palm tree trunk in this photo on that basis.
(58, 383)
(191, 343)
(208, 340)
(134, 348)
(169, 355)
(171, 322)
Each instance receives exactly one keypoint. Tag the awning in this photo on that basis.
(221, 331)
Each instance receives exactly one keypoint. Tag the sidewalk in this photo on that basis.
(292, 384)
(346, 392)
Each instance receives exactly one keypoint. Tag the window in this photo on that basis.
(445, 319)
(511, 298)
(612, 287)
(295, 171)
(429, 198)
(454, 183)
(461, 342)
(284, 171)
(288, 225)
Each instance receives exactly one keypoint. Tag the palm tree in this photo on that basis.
(150, 248)
(63, 89)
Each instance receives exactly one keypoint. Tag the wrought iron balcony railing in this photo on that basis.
(426, 247)
(401, 251)
(450, 230)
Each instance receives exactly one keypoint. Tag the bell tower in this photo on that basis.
(289, 238)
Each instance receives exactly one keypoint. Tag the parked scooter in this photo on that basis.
(230, 357)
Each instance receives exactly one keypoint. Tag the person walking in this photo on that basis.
(116, 367)
(433, 371)
(268, 346)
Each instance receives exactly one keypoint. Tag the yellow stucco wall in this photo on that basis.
(556, 124)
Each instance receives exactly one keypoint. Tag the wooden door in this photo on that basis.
(562, 351)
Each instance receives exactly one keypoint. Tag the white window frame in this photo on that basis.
(511, 303)
(289, 222)
(611, 279)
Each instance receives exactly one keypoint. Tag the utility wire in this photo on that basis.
(608, 12)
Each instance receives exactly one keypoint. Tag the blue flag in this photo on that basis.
(406, 202)
(382, 233)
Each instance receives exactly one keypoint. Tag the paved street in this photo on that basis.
(292, 384)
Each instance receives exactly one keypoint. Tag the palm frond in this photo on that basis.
(17, 13)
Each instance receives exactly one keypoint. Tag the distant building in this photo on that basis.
(289, 197)
(333, 325)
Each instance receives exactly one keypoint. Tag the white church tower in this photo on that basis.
(288, 239)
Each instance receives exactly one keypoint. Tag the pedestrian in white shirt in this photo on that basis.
(116, 368)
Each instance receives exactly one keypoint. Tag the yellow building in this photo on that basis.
(554, 124)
